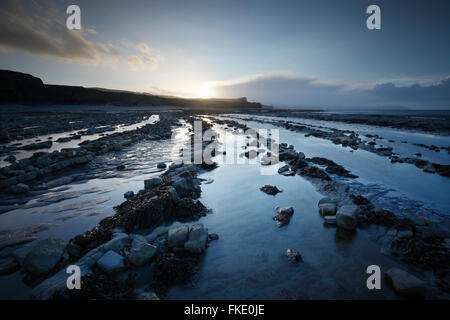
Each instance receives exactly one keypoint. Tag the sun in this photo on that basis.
(204, 91)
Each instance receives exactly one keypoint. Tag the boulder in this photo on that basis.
(117, 243)
(128, 194)
(213, 236)
(347, 217)
(283, 169)
(153, 182)
(270, 190)
(327, 209)
(328, 200)
(182, 186)
(197, 239)
(293, 256)
(137, 240)
(284, 216)
(111, 262)
(404, 283)
(141, 253)
(331, 220)
(173, 192)
(44, 256)
(178, 236)
(161, 165)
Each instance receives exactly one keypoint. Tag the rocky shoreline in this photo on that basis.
(140, 238)
(348, 138)
(418, 242)
(135, 237)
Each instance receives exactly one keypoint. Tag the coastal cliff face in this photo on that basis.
(20, 88)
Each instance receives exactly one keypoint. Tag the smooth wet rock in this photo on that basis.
(153, 182)
(173, 192)
(284, 216)
(197, 239)
(331, 220)
(181, 185)
(161, 165)
(44, 256)
(327, 209)
(141, 253)
(128, 194)
(293, 256)
(405, 283)
(347, 217)
(111, 262)
(213, 236)
(328, 200)
(178, 236)
(270, 190)
(117, 243)
(283, 169)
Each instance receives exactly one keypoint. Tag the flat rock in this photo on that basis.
(117, 243)
(44, 256)
(153, 182)
(141, 253)
(111, 262)
(405, 283)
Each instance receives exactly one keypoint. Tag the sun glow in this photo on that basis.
(203, 91)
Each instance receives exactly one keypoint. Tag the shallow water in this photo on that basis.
(248, 260)
(398, 135)
(430, 191)
(79, 206)
(57, 146)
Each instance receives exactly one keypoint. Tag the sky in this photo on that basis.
(282, 53)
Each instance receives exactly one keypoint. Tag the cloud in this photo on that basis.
(436, 92)
(287, 89)
(41, 30)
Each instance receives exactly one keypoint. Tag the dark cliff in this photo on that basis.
(20, 88)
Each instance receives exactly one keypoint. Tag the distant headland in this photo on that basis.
(25, 89)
